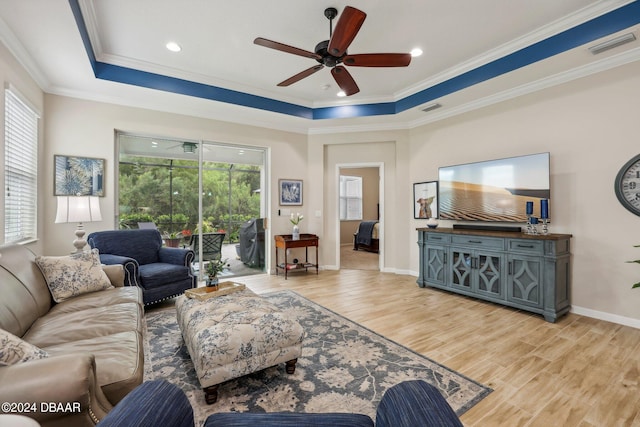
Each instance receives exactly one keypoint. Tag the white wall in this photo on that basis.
(591, 127)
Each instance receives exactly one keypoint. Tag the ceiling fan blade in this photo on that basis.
(301, 75)
(378, 60)
(347, 27)
(344, 80)
(285, 48)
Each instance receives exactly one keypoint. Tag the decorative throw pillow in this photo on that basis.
(14, 350)
(73, 275)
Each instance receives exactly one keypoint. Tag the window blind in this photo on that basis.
(20, 170)
(350, 198)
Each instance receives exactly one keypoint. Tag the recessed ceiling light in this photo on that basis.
(416, 52)
(341, 94)
(173, 47)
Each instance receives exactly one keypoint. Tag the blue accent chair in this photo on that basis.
(158, 403)
(159, 271)
(151, 404)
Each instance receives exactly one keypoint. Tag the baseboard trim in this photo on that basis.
(608, 317)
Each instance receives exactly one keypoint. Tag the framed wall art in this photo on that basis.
(290, 192)
(425, 200)
(78, 176)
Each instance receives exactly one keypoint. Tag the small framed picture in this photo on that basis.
(425, 200)
(290, 192)
(73, 176)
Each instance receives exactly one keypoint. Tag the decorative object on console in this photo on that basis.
(78, 209)
(290, 192)
(544, 215)
(432, 223)
(295, 220)
(627, 185)
(78, 176)
(425, 198)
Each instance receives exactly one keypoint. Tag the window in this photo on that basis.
(20, 169)
(350, 198)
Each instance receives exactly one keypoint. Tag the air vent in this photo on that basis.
(610, 44)
(431, 107)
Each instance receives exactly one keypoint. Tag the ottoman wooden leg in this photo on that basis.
(291, 366)
(211, 394)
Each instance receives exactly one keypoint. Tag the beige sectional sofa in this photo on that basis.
(82, 355)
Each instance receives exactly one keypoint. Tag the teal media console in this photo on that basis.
(528, 272)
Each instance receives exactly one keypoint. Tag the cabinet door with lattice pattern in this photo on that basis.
(461, 269)
(435, 265)
(524, 284)
(490, 269)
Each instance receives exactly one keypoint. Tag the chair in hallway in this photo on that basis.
(211, 246)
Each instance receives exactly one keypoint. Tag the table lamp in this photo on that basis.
(78, 209)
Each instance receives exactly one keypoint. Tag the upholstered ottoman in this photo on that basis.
(234, 335)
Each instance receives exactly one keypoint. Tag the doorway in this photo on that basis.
(360, 219)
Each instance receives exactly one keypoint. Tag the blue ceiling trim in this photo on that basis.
(130, 76)
(604, 25)
(358, 110)
(84, 34)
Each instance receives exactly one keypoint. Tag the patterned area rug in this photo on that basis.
(345, 367)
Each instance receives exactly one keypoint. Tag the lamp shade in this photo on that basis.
(78, 209)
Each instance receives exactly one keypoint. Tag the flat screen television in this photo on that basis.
(494, 190)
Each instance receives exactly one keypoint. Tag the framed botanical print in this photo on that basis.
(290, 192)
(78, 176)
(425, 200)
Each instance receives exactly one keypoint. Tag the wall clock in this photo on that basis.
(627, 185)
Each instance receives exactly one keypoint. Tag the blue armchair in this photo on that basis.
(161, 272)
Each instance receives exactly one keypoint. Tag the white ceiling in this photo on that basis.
(218, 50)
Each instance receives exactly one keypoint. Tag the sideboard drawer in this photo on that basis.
(438, 238)
(525, 246)
(479, 242)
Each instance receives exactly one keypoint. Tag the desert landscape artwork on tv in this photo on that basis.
(495, 190)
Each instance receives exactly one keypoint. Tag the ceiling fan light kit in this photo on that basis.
(333, 52)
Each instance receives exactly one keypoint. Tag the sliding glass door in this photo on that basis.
(192, 187)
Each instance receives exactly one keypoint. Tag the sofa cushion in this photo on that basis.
(98, 299)
(160, 274)
(14, 350)
(119, 361)
(61, 327)
(73, 275)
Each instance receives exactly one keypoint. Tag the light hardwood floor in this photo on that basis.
(576, 372)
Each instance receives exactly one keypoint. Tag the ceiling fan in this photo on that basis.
(333, 52)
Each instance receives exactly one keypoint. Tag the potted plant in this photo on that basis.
(172, 240)
(212, 269)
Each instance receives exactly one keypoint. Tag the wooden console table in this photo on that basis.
(285, 241)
